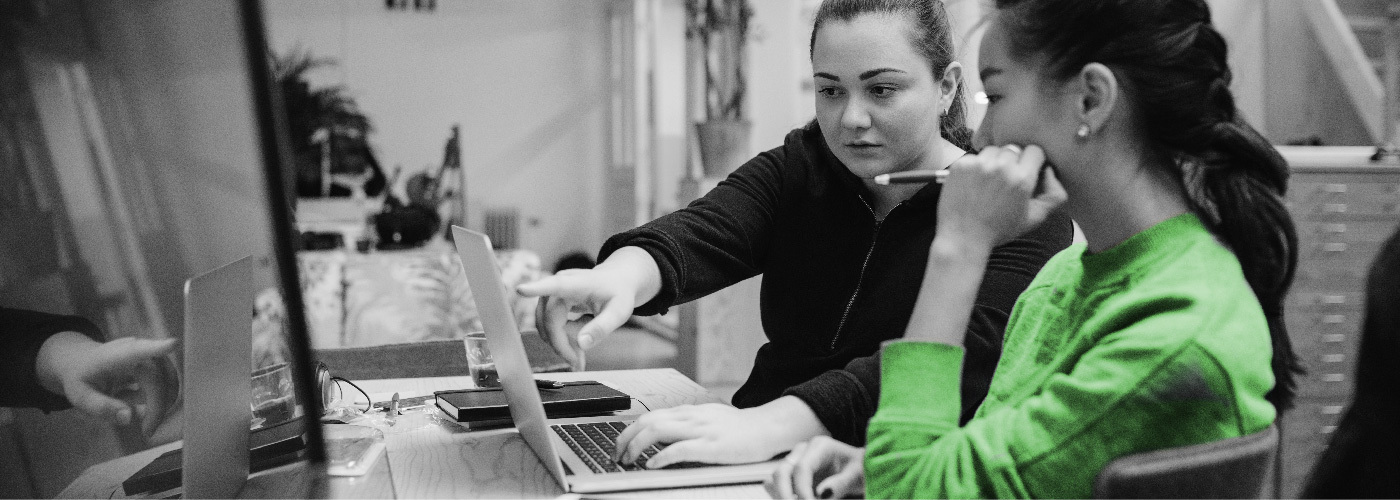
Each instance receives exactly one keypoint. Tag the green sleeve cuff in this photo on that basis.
(922, 378)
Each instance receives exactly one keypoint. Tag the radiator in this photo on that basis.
(503, 227)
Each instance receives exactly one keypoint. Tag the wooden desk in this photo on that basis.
(427, 459)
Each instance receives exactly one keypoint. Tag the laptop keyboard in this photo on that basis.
(594, 444)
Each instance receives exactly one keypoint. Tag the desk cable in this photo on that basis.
(369, 403)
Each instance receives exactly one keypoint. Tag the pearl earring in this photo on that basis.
(1083, 131)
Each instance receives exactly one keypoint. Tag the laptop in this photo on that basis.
(574, 450)
(218, 350)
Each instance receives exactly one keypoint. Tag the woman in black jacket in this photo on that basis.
(841, 256)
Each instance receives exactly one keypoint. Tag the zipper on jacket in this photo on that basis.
(860, 279)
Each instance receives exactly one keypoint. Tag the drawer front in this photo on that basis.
(1303, 300)
(1345, 231)
(1360, 253)
(1354, 186)
(1330, 274)
(1345, 209)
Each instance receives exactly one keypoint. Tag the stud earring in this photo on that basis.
(1083, 131)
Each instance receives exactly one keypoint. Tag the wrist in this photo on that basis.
(948, 248)
(790, 421)
(58, 351)
(635, 267)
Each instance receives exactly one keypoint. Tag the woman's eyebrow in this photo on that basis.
(989, 72)
(863, 76)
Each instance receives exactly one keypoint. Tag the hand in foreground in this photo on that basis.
(571, 293)
(719, 434)
(997, 195)
(97, 377)
(836, 468)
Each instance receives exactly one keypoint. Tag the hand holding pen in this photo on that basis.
(924, 176)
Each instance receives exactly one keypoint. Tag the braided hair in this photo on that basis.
(932, 37)
(1173, 61)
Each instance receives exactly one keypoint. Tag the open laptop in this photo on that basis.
(218, 350)
(568, 461)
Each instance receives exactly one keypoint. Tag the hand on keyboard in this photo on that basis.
(717, 433)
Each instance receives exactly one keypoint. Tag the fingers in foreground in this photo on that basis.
(844, 483)
(613, 315)
(690, 450)
(93, 402)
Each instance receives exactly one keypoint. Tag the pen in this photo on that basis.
(912, 177)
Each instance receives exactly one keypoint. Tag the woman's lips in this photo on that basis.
(862, 147)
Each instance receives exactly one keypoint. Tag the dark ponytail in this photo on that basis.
(932, 37)
(1174, 62)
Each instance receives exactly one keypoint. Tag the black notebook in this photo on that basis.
(488, 406)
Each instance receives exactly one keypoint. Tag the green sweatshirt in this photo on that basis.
(1155, 343)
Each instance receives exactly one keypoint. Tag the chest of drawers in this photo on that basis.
(1344, 207)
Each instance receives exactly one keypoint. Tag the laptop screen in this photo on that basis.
(503, 339)
(139, 145)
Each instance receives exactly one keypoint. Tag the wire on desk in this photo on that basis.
(644, 405)
(369, 403)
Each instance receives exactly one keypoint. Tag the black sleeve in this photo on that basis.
(25, 332)
(718, 240)
(844, 400)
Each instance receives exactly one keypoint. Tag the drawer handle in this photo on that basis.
(1334, 208)
(1334, 228)
(1333, 299)
(1334, 337)
(1333, 358)
(1327, 429)
(1335, 247)
(1333, 319)
(1333, 377)
(1334, 188)
(1331, 409)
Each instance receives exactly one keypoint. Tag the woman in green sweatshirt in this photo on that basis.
(1165, 329)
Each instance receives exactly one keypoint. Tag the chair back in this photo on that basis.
(1229, 468)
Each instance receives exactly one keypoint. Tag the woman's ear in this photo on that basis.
(948, 86)
(1098, 96)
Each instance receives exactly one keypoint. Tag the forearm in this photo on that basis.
(948, 292)
(638, 268)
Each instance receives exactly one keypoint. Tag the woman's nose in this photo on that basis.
(854, 115)
(982, 137)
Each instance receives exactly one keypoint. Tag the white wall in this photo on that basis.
(525, 79)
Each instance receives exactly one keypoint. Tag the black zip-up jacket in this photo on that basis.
(836, 280)
(23, 333)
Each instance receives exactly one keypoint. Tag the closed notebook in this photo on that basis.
(574, 399)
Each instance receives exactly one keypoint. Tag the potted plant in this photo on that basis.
(329, 133)
(719, 30)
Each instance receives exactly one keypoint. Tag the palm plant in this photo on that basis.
(328, 131)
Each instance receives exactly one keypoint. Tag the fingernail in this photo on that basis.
(124, 416)
(585, 341)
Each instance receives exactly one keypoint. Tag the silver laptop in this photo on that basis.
(568, 461)
(218, 351)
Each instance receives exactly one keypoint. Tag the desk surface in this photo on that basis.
(426, 458)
